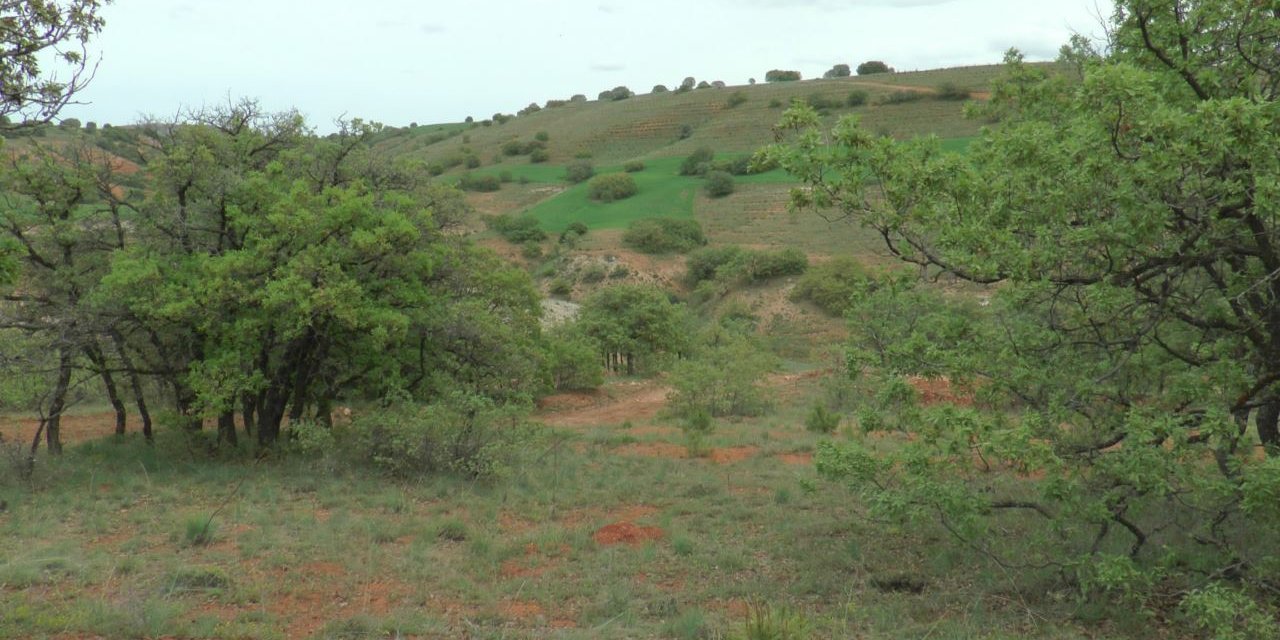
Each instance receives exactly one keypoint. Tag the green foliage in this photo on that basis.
(659, 88)
(579, 171)
(703, 264)
(615, 94)
(822, 102)
(764, 622)
(198, 530)
(718, 184)
(560, 287)
(723, 378)
(856, 98)
(1125, 344)
(574, 360)
(633, 166)
(838, 71)
(611, 186)
(901, 97)
(831, 285)
(872, 67)
(516, 229)
(479, 182)
(780, 75)
(736, 99)
(462, 434)
(539, 156)
(952, 91)
(664, 235)
(44, 62)
(698, 162)
(635, 323)
(686, 131)
(542, 136)
(821, 419)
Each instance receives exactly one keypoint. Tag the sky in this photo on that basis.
(429, 61)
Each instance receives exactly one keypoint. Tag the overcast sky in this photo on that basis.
(402, 61)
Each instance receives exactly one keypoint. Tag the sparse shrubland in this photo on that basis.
(664, 235)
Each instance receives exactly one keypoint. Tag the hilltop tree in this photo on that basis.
(838, 71)
(871, 67)
(1127, 215)
(687, 84)
(39, 34)
(780, 75)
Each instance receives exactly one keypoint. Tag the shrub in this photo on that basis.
(552, 104)
(687, 85)
(531, 250)
(611, 186)
(539, 156)
(560, 287)
(698, 162)
(577, 228)
(950, 91)
(462, 433)
(483, 183)
(633, 166)
(822, 103)
(577, 97)
(838, 71)
(901, 97)
(512, 148)
(872, 67)
(90, 126)
(703, 264)
(532, 108)
(469, 120)
(775, 104)
(517, 229)
(856, 98)
(766, 265)
(686, 130)
(821, 419)
(578, 171)
(718, 84)
(504, 177)
(704, 85)
(594, 273)
(736, 98)
(502, 118)
(69, 123)
(780, 75)
(472, 162)
(435, 169)
(719, 184)
(659, 88)
(831, 285)
(723, 380)
(617, 93)
(542, 136)
(664, 235)
(573, 360)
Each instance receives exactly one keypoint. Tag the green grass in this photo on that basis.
(348, 553)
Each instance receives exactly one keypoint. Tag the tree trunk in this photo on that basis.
(247, 405)
(53, 429)
(135, 383)
(185, 400)
(99, 360)
(227, 428)
(1267, 417)
(270, 415)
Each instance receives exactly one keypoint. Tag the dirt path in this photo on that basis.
(613, 404)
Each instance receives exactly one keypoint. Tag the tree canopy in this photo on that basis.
(45, 60)
(1122, 216)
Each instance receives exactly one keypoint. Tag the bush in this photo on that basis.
(538, 156)
(821, 419)
(856, 98)
(659, 88)
(531, 250)
(560, 287)
(723, 380)
(687, 85)
(822, 103)
(517, 229)
(698, 162)
(483, 183)
(461, 434)
(552, 104)
(736, 98)
(512, 148)
(611, 186)
(616, 93)
(719, 184)
(775, 104)
(577, 97)
(542, 136)
(594, 273)
(472, 162)
(901, 97)
(633, 166)
(504, 177)
(838, 71)
(69, 123)
(767, 265)
(950, 91)
(664, 235)
(578, 171)
(573, 360)
(704, 85)
(872, 67)
(703, 264)
(780, 75)
(686, 130)
(532, 108)
(831, 285)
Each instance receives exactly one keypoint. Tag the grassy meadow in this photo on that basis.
(605, 528)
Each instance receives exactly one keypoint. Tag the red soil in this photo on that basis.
(627, 533)
(796, 458)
